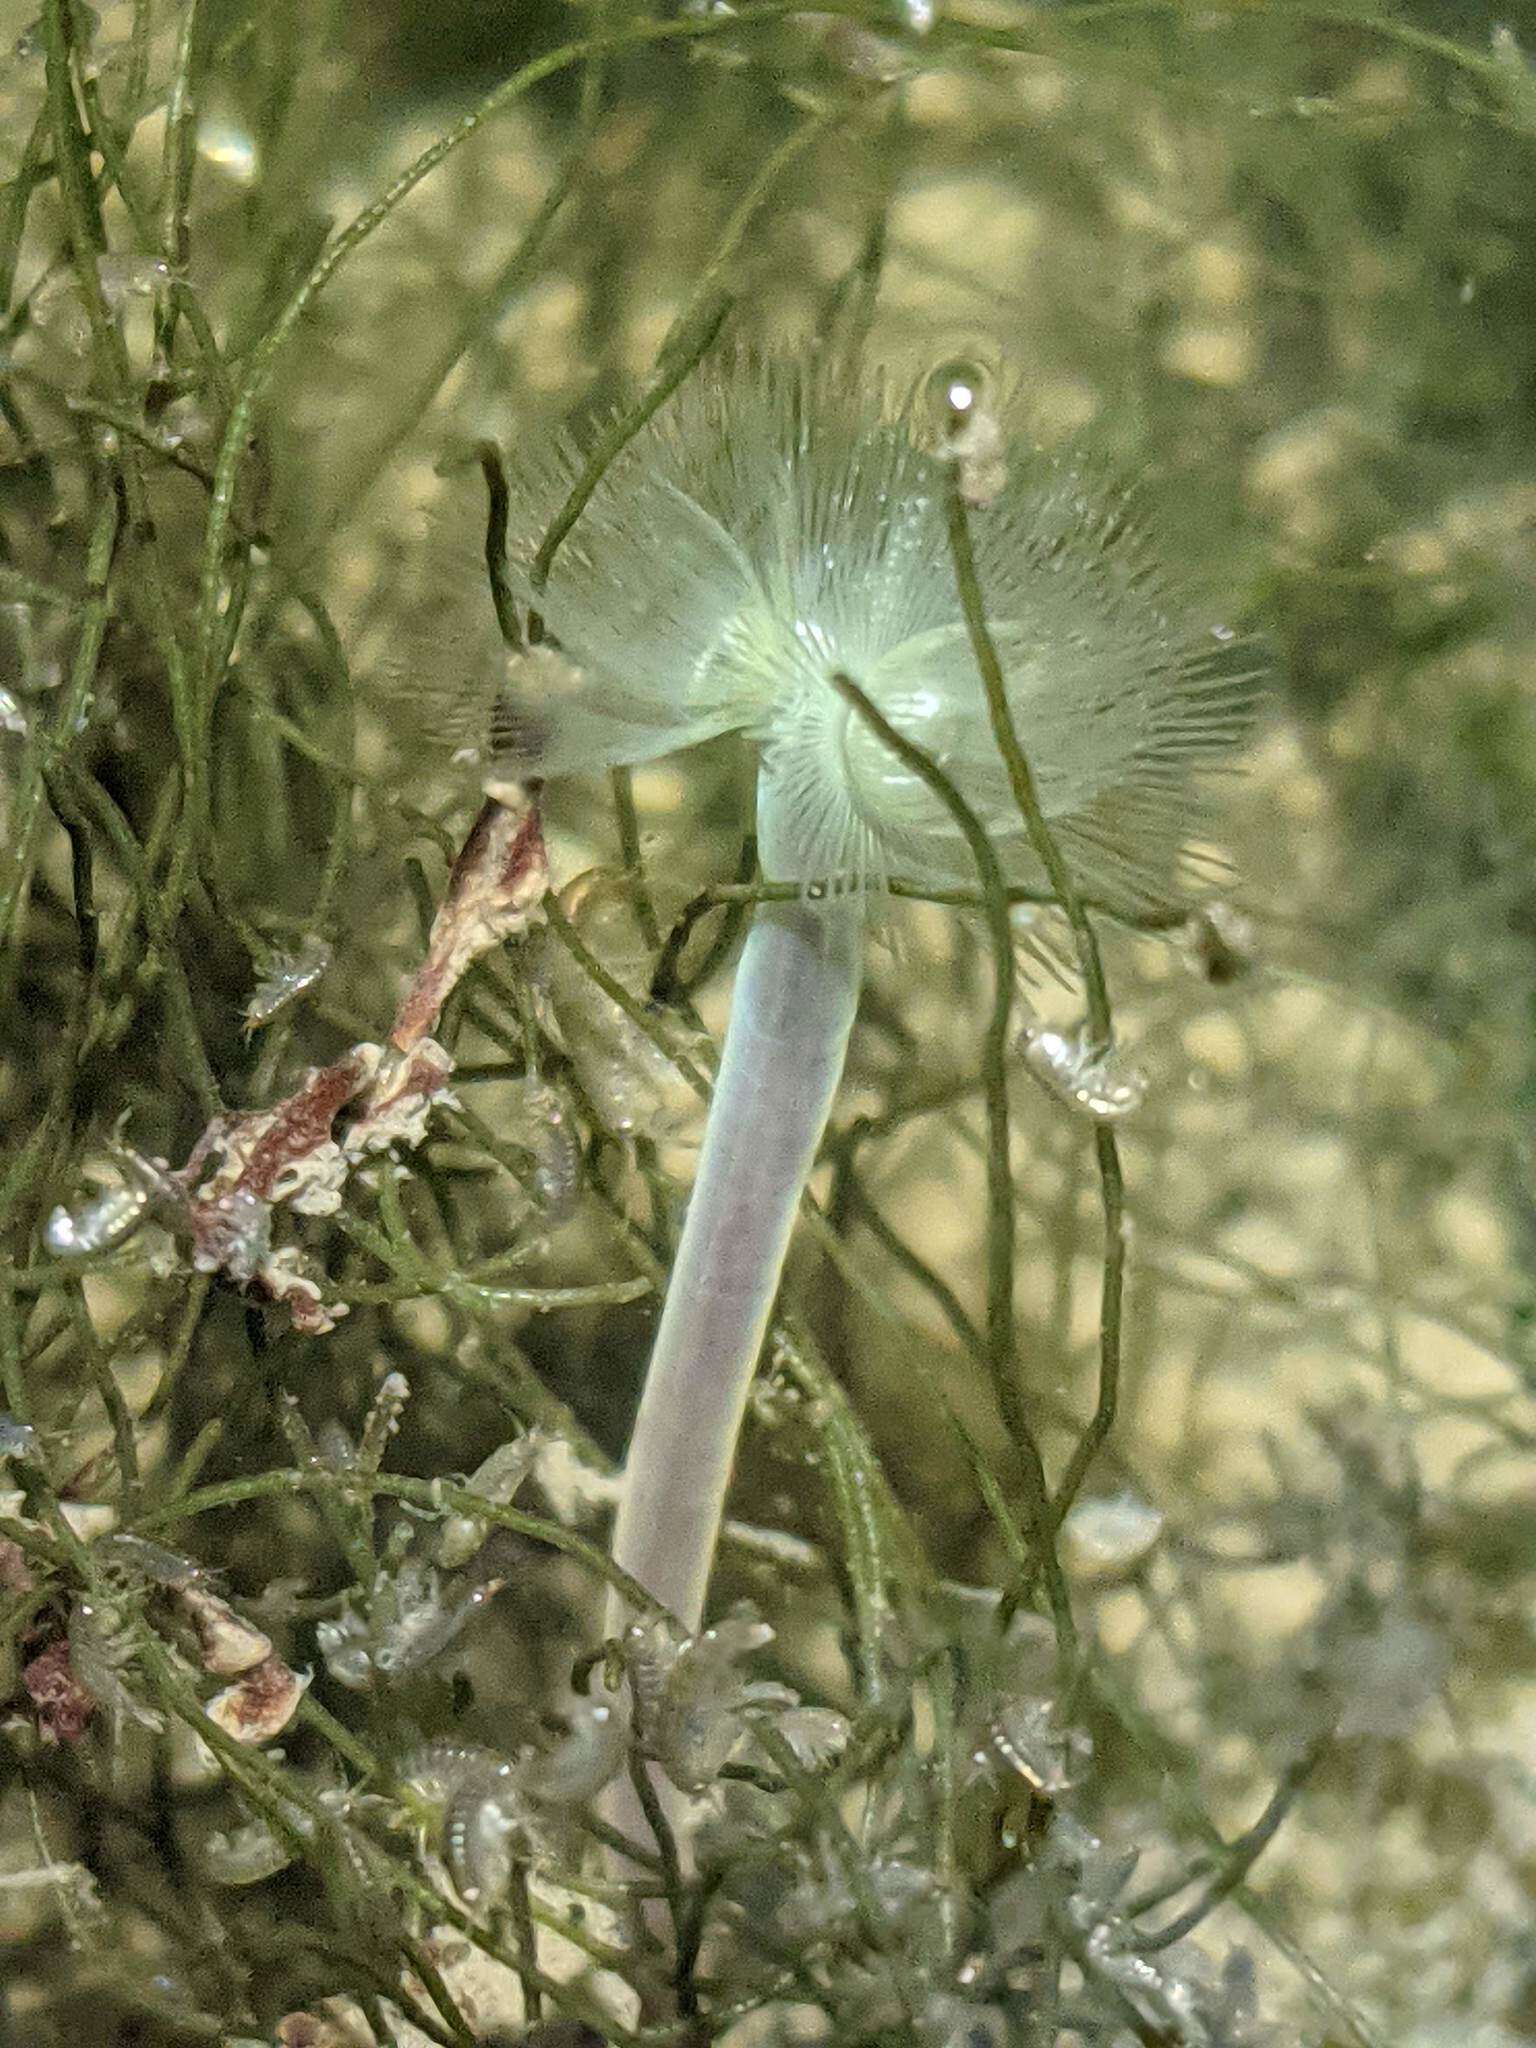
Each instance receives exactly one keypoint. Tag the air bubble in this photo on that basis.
(1094, 1080)
(99, 1226)
(130, 277)
(546, 1129)
(287, 977)
(229, 148)
(958, 398)
(954, 392)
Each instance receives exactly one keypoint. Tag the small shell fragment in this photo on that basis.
(1107, 1538)
(246, 1854)
(89, 1518)
(318, 2030)
(17, 1439)
(817, 1735)
(259, 1705)
(584, 1759)
(228, 1645)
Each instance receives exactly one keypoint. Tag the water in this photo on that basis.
(1262, 280)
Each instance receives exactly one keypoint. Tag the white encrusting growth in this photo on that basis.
(775, 526)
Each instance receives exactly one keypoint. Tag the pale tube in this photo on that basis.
(797, 988)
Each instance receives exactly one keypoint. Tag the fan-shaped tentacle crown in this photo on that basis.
(777, 524)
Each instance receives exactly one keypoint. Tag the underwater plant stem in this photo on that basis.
(796, 992)
(1244, 1852)
(1002, 1321)
(1090, 963)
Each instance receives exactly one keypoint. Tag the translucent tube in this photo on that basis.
(796, 992)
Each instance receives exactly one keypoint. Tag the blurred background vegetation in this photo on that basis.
(274, 279)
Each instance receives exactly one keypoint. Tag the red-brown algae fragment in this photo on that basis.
(259, 1149)
(497, 881)
(403, 1095)
(230, 1235)
(282, 1278)
(248, 1162)
(64, 1707)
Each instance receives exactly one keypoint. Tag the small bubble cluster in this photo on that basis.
(1096, 1082)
